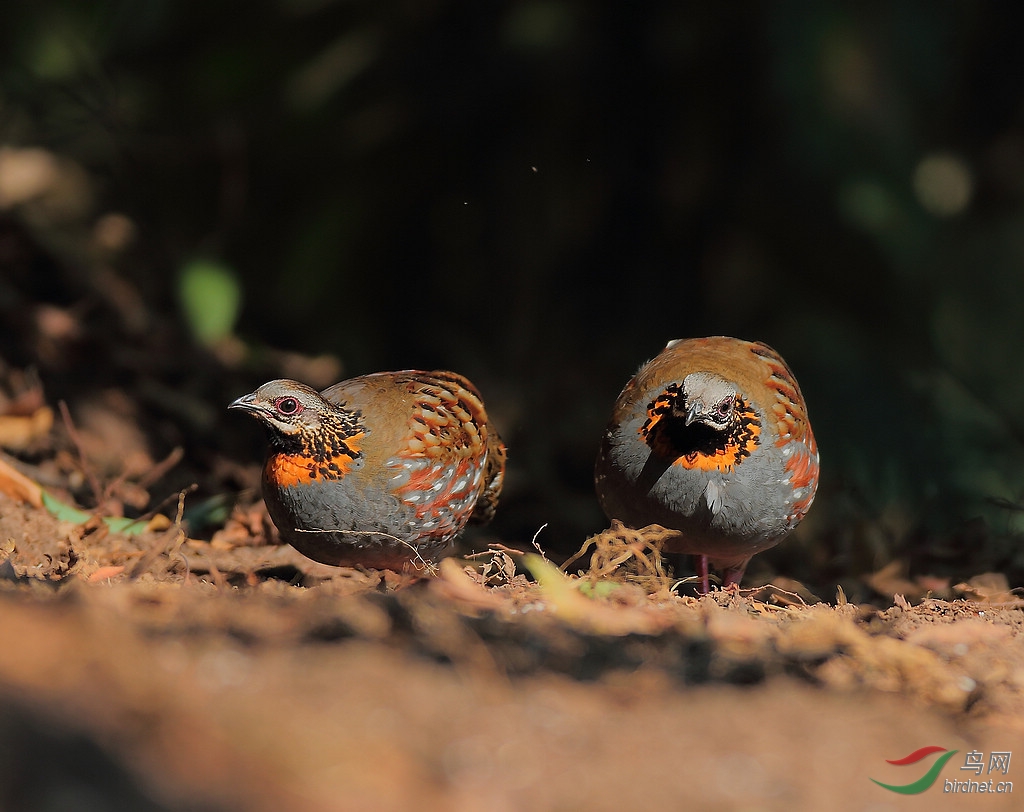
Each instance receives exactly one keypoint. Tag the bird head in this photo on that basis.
(286, 408)
(708, 399)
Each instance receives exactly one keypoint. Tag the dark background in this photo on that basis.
(539, 195)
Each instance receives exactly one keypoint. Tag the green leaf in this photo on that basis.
(597, 589)
(67, 513)
(553, 581)
(211, 298)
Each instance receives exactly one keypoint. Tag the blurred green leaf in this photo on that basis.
(211, 298)
(598, 589)
(66, 513)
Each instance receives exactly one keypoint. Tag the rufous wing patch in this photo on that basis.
(803, 466)
(444, 456)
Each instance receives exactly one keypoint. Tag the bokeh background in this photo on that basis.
(195, 197)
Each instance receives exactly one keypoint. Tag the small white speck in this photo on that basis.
(966, 684)
(223, 669)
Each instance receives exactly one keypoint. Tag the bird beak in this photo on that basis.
(247, 403)
(692, 412)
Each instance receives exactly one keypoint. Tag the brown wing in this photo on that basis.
(754, 367)
(443, 420)
(494, 479)
(463, 399)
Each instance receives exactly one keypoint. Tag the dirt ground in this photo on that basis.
(153, 671)
(190, 662)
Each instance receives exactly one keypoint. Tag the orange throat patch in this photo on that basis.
(698, 448)
(721, 459)
(290, 469)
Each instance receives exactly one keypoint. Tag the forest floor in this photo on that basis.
(201, 665)
(149, 670)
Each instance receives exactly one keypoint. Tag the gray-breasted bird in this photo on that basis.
(380, 471)
(711, 439)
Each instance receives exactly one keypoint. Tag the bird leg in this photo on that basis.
(701, 565)
(733, 575)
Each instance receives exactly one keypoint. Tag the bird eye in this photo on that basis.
(288, 405)
(725, 407)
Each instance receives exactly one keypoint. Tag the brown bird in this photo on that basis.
(711, 438)
(380, 471)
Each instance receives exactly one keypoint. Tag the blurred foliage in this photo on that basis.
(540, 194)
(210, 298)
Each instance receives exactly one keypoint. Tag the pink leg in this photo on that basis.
(733, 575)
(701, 565)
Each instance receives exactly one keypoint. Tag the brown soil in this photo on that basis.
(153, 671)
(199, 665)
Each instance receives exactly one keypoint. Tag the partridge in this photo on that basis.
(381, 471)
(711, 439)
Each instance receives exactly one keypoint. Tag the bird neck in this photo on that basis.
(698, 445)
(328, 450)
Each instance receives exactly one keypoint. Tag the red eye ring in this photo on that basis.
(288, 406)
